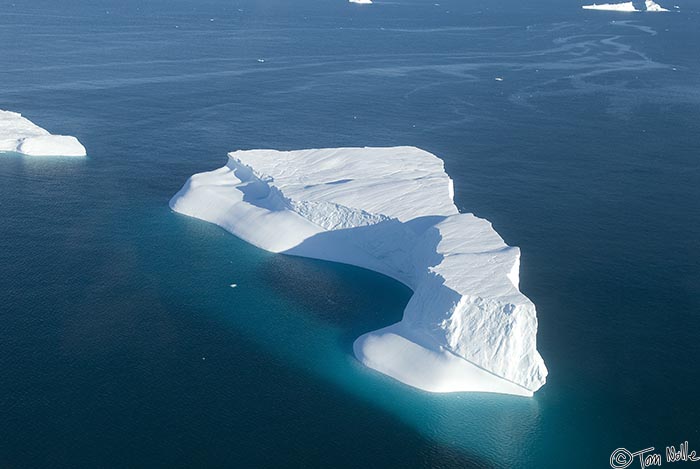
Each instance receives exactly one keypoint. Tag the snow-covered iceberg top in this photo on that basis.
(626, 6)
(467, 326)
(18, 134)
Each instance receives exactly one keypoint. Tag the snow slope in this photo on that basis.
(467, 326)
(18, 134)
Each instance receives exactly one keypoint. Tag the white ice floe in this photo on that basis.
(651, 5)
(467, 326)
(20, 135)
(362, 2)
(626, 6)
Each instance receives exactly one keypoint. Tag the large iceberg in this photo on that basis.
(19, 134)
(467, 326)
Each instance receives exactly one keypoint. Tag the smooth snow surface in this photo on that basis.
(18, 134)
(467, 326)
(627, 6)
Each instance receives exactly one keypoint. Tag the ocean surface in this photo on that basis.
(121, 342)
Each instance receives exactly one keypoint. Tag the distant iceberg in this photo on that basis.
(18, 134)
(651, 5)
(363, 2)
(467, 326)
(627, 6)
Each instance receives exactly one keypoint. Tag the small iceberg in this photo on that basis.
(18, 134)
(651, 5)
(361, 2)
(467, 326)
(626, 6)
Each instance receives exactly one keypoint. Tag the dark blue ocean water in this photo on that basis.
(121, 343)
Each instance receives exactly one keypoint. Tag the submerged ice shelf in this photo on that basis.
(18, 134)
(467, 326)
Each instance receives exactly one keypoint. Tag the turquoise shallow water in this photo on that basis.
(122, 343)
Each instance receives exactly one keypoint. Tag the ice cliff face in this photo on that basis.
(20, 135)
(466, 328)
